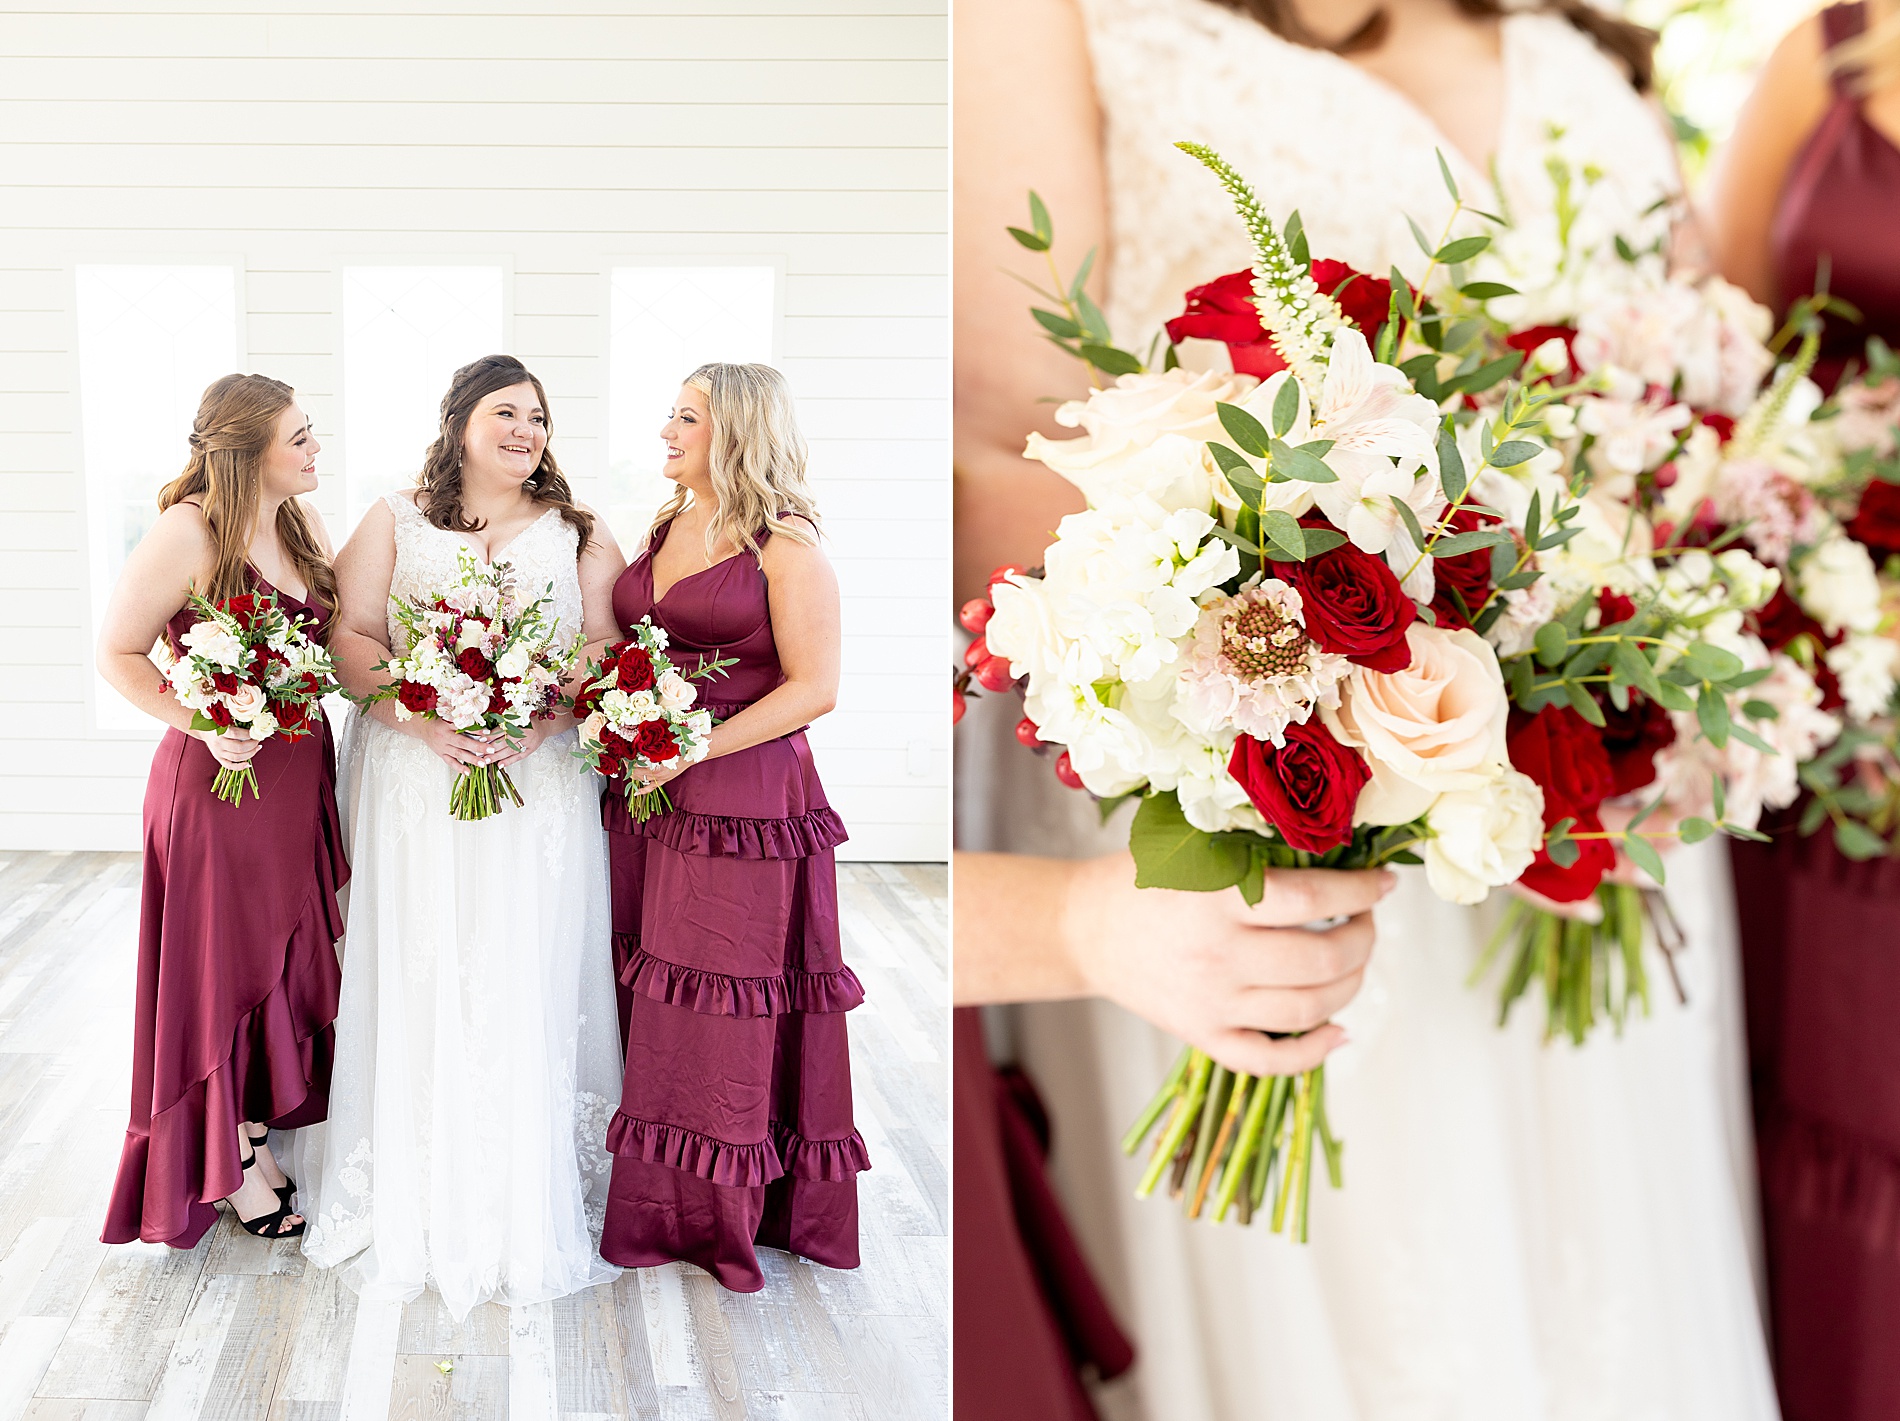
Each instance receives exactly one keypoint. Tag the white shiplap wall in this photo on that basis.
(810, 133)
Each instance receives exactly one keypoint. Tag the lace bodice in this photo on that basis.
(1314, 132)
(546, 552)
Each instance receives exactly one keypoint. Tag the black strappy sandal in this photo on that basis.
(270, 1226)
(288, 1188)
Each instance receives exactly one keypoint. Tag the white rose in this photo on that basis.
(1484, 838)
(1433, 728)
(514, 662)
(470, 636)
(591, 728)
(1023, 629)
(1146, 435)
(1838, 586)
(214, 644)
(676, 692)
(263, 725)
(246, 702)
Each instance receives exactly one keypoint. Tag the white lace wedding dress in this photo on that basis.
(477, 1043)
(1527, 1233)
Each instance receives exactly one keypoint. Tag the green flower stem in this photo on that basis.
(1186, 1110)
(1335, 1149)
(1270, 1142)
(1170, 1088)
(1299, 1142)
(1230, 1119)
(1211, 1108)
(231, 783)
(1242, 1158)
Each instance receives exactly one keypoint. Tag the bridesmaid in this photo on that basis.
(1813, 173)
(238, 975)
(734, 1127)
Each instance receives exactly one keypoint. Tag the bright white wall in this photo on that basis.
(806, 134)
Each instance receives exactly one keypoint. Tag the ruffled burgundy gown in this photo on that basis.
(735, 1125)
(1821, 935)
(238, 971)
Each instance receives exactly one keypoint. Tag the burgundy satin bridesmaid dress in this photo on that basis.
(735, 1124)
(238, 971)
(1821, 935)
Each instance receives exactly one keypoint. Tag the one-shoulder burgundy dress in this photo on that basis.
(735, 1124)
(1821, 935)
(238, 972)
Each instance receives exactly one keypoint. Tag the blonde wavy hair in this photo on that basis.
(758, 459)
(236, 422)
(1870, 61)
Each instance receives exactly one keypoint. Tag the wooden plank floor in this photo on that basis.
(241, 1328)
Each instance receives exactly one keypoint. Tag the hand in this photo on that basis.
(458, 750)
(233, 748)
(650, 780)
(1217, 973)
(503, 752)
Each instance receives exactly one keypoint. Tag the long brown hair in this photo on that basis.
(1869, 61)
(440, 481)
(236, 422)
(1634, 44)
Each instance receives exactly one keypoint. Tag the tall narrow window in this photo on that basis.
(406, 330)
(666, 322)
(150, 339)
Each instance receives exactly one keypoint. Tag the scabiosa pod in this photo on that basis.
(1299, 317)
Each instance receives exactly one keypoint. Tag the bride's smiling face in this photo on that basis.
(506, 436)
(688, 436)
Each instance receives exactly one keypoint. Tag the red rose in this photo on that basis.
(416, 698)
(617, 743)
(609, 764)
(1469, 573)
(291, 715)
(244, 608)
(1613, 607)
(474, 665)
(1782, 620)
(654, 742)
(1564, 753)
(497, 702)
(1307, 790)
(1528, 341)
(1877, 522)
(1365, 300)
(1354, 606)
(635, 670)
(1631, 739)
(219, 713)
(225, 683)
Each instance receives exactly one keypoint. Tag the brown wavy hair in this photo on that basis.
(1633, 44)
(233, 430)
(440, 481)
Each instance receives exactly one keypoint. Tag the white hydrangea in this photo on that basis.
(1837, 586)
(1865, 664)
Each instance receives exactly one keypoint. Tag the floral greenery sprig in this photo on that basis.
(1079, 327)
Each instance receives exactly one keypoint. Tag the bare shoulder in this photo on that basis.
(1793, 86)
(794, 553)
(321, 530)
(182, 530)
(601, 543)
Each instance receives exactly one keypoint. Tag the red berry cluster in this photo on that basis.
(992, 673)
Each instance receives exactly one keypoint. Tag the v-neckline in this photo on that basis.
(489, 561)
(653, 550)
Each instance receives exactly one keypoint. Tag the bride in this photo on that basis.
(477, 1048)
(1526, 1232)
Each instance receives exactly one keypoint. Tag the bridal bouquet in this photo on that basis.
(480, 657)
(638, 714)
(1350, 614)
(247, 666)
(1814, 486)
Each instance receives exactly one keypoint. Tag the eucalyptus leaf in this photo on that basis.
(1039, 219)
(1297, 461)
(1695, 829)
(1451, 467)
(1583, 703)
(1029, 240)
(1459, 543)
(1111, 361)
(1513, 452)
(1462, 249)
(1444, 171)
(1857, 841)
(1286, 407)
(1643, 854)
(1284, 531)
(1244, 429)
(1228, 535)
(1486, 290)
(1711, 713)
(1634, 667)
(1055, 324)
(1418, 235)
